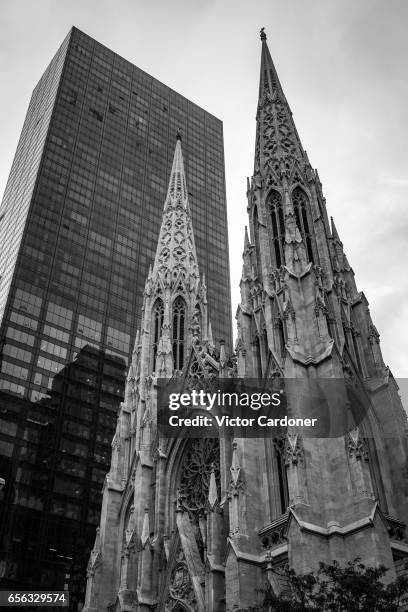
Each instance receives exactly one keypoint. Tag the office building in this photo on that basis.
(78, 227)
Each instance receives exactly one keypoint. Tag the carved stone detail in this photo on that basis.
(200, 458)
(356, 445)
(290, 448)
(276, 533)
(180, 587)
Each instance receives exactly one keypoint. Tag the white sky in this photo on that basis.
(343, 66)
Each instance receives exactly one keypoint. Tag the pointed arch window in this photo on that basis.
(179, 319)
(278, 228)
(158, 316)
(200, 457)
(300, 203)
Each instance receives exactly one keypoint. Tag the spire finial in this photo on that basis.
(262, 34)
(178, 135)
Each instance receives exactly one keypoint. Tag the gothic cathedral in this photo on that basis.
(200, 525)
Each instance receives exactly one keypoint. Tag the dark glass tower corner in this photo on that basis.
(78, 227)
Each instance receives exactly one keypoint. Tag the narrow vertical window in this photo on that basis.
(258, 356)
(281, 473)
(257, 245)
(300, 206)
(283, 483)
(278, 228)
(158, 314)
(281, 336)
(179, 316)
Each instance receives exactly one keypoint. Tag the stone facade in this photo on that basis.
(200, 525)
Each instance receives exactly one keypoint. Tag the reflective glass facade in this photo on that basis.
(79, 224)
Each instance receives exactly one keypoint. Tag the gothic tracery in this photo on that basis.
(200, 457)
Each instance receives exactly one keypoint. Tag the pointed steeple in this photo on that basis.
(246, 258)
(276, 138)
(210, 335)
(269, 80)
(177, 189)
(174, 276)
(176, 251)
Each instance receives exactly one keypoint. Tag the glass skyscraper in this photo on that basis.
(79, 223)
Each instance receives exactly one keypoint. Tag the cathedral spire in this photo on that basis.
(177, 189)
(269, 79)
(176, 251)
(276, 138)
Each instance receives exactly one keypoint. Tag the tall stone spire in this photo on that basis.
(276, 134)
(175, 269)
(176, 251)
(302, 317)
(269, 80)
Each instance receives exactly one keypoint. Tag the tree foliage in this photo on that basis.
(352, 588)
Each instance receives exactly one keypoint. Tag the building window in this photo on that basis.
(278, 228)
(258, 356)
(179, 316)
(257, 244)
(300, 207)
(279, 444)
(283, 483)
(158, 314)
